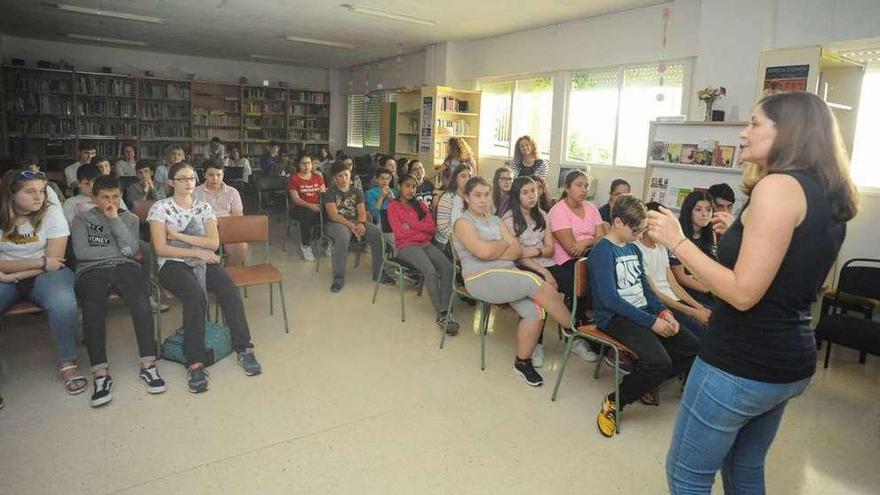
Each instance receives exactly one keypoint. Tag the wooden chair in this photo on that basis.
(591, 333)
(253, 228)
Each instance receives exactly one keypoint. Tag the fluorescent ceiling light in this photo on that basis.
(389, 15)
(313, 41)
(274, 59)
(109, 13)
(101, 39)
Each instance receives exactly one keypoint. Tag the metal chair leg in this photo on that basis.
(271, 301)
(376, 283)
(400, 289)
(616, 389)
(599, 361)
(283, 306)
(569, 342)
(484, 329)
(827, 354)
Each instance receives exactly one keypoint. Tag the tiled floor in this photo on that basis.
(354, 401)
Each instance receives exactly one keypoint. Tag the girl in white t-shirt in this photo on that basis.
(33, 239)
(184, 235)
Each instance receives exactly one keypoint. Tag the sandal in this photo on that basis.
(650, 399)
(69, 382)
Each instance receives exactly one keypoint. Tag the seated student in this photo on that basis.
(85, 200)
(103, 165)
(175, 155)
(425, 191)
(226, 202)
(450, 206)
(347, 216)
(349, 164)
(627, 309)
(689, 313)
(618, 187)
(305, 188)
(106, 240)
(238, 161)
(413, 228)
(145, 189)
(487, 249)
(543, 194)
(459, 152)
(532, 229)
(33, 239)
(390, 164)
(723, 197)
(32, 163)
(378, 196)
(695, 219)
(127, 165)
(184, 235)
(576, 226)
(86, 152)
(501, 182)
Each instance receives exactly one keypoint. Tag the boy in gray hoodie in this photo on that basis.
(105, 241)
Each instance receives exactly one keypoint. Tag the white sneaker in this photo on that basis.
(583, 351)
(307, 253)
(538, 356)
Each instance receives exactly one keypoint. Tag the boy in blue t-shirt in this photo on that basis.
(626, 309)
(378, 196)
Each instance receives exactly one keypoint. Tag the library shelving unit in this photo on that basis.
(47, 113)
(427, 117)
(668, 181)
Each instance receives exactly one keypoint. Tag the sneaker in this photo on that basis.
(307, 253)
(451, 325)
(337, 284)
(197, 379)
(102, 394)
(151, 380)
(328, 250)
(627, 362)
(607, 419)
(583, 351)
(538, 356)
(528, 372)
(248, 362)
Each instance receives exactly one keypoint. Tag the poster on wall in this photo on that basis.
(780, 79)
(426, 140)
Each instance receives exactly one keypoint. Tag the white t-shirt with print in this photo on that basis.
(186, 220)
(656, 261)
(25, 243)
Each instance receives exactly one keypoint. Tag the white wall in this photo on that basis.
(135, 62)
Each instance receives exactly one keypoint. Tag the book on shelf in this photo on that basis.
(673, 152)
(705, 151)
(682, 194)
(452, 104)
(724, 156)
(658, 150)
(688, 154)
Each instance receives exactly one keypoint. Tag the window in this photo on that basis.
(864, 170)
(609, 111)
(511, 109)
(373, 121)
(356, 121)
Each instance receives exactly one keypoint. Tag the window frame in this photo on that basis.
(349, 140)
(513, 80)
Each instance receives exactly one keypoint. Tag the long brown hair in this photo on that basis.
(459, 148)
(8, 188)
(496, 184)
(517, 154)
(808, 140)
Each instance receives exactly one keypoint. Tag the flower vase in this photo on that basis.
(708, 116)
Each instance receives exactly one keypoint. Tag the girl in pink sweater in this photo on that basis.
(413, 228)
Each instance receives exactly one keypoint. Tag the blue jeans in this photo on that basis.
(728, 423)
(52, 291)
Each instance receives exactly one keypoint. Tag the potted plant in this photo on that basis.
(708, 95)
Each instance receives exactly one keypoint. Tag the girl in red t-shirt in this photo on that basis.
(305, 188)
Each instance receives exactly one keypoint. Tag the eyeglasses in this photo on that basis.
(185, 179)
(30, 175)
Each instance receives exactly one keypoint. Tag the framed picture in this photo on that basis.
(724, 156)
(688, 154)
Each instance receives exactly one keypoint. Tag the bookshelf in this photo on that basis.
(50, 112)
(668, 180)
(428, 117)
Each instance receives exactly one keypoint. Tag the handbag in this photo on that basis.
(218, 344)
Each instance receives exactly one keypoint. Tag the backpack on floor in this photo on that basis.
(218, 344)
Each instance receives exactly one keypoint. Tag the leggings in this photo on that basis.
(507, 286)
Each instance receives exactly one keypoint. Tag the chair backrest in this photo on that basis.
(267, 184)
(581, 287)
(247, 228)
(860, 277)
(142, 209)
(233, 173)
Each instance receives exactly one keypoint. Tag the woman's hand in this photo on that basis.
(702, 315)
(662, 328)
(548, 277)
(673, 323)
(170, 233)
(664, 228)
(54, 263)
(7, 278)
(721, 221)
(209, 257)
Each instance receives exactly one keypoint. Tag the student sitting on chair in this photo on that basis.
(378, 196)
(103, 165)
(305, 188)
(105, 240)
(226, 202)
(487, 249)
(425, 191)
(413, 229)
(145, 189)
(695, 218)
(184, 235)
(450, 206)
(628, 310)
(85, 200)
(33, 239)
(347, 217)
(618, 187)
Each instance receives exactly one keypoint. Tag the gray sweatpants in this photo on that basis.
(437, 270)
(341, 236)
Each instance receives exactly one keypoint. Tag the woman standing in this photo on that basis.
(525, 161)
(184, 235)
(413, 229)
(459, 153)
(33, 240)
(501, 183)
(759, 351)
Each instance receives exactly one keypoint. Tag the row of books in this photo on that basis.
(41, 103)
(223, 134)
(276, 122)
(164, 130)
(37, 85)
(101, 86)
(659, 190)
(107, 128)
(159, 111)
(457, 126)
(264, 93)
(309, 97)
(54, 127)
(307, 123)
(165, 89)
(308, 135)
(47, 148)
(217, 118)
(706, 152)
(96, 107)
(450, 104)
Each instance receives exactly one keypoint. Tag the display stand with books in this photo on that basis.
(688, 156)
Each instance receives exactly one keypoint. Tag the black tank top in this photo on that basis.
(772, 341)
